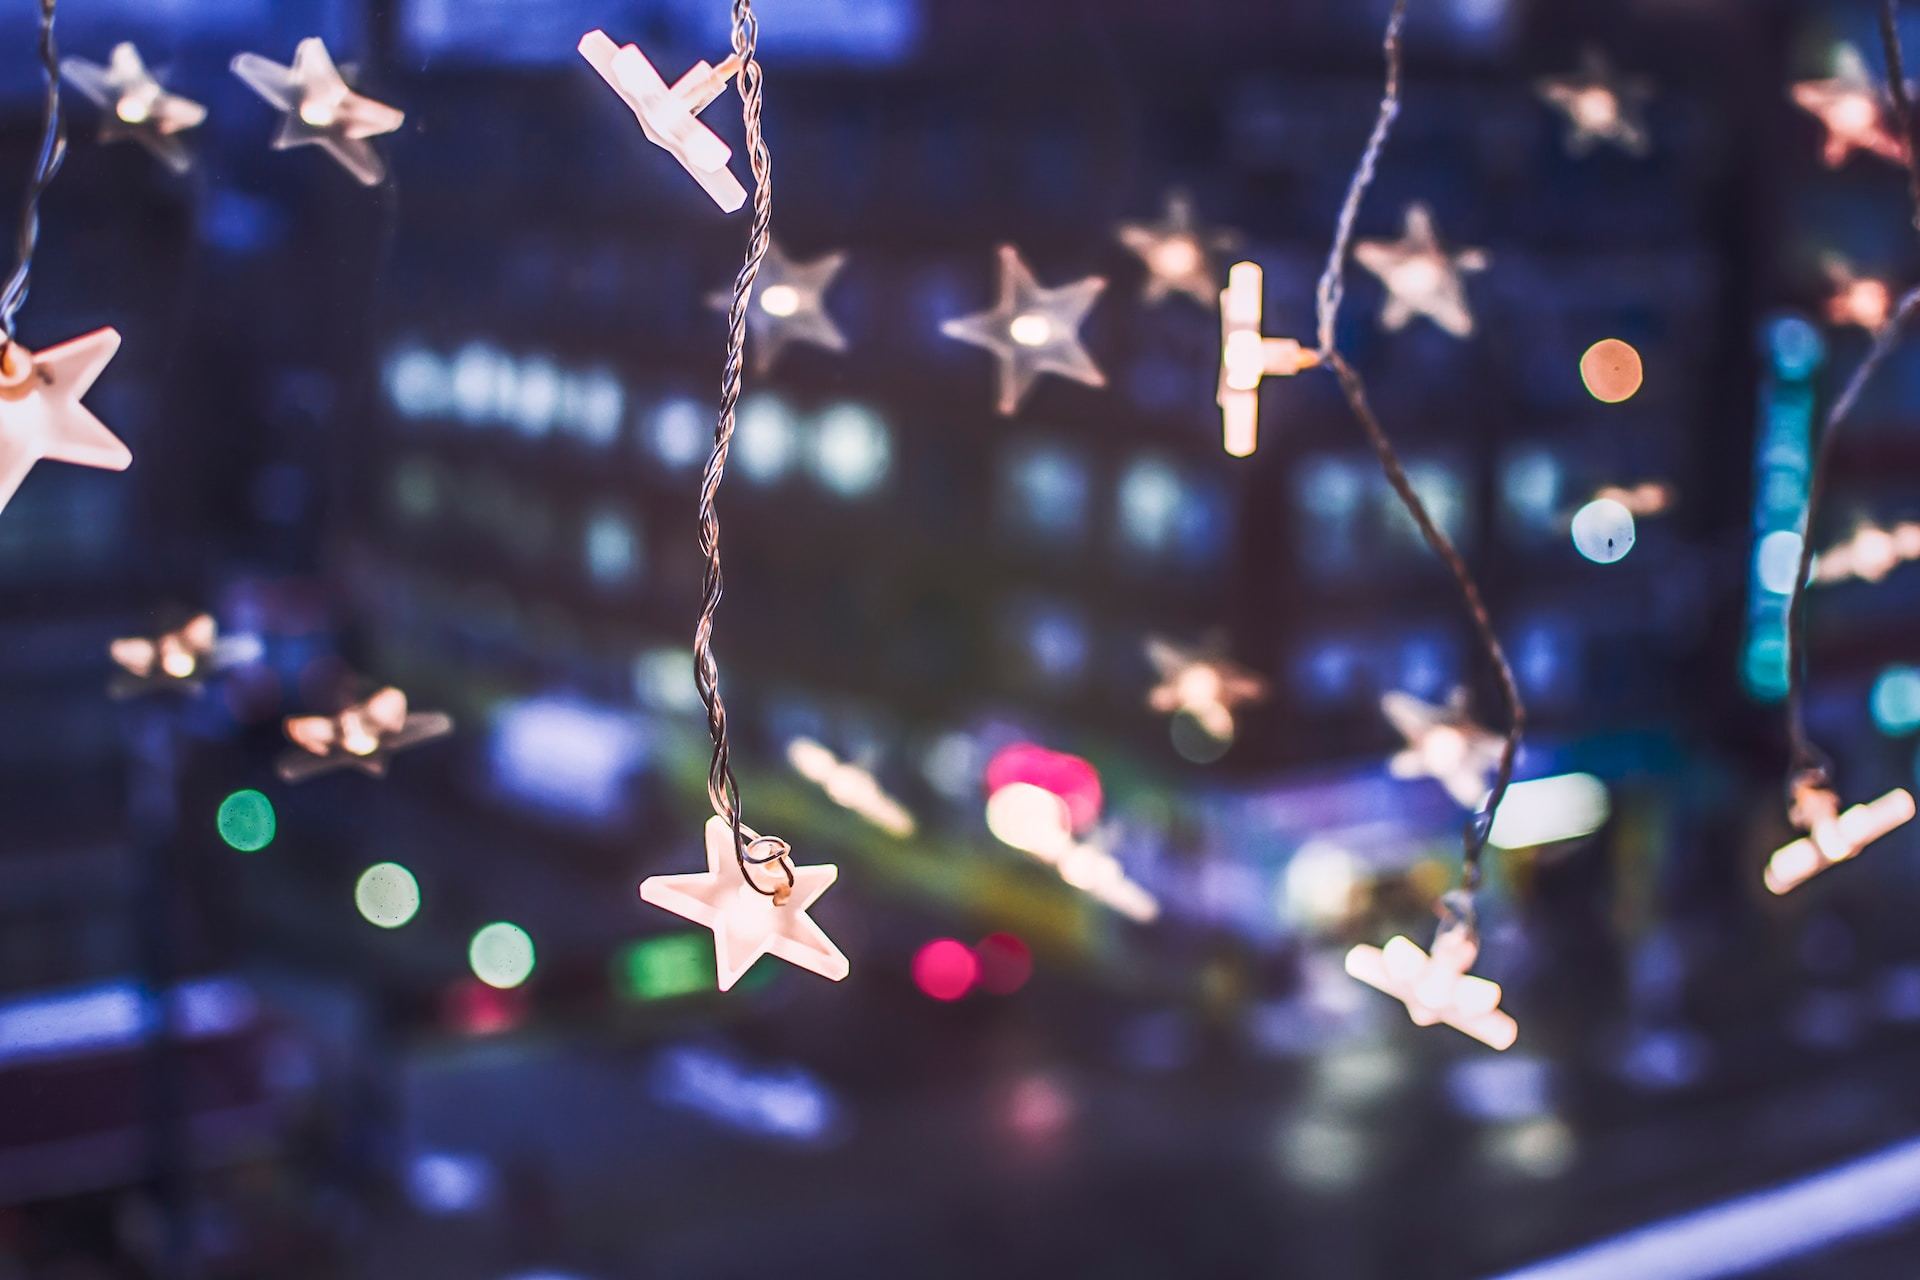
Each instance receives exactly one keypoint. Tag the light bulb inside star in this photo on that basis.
(1177, 257)
(319, 114)
(135, 108)
(780, 300)
(1030, 330)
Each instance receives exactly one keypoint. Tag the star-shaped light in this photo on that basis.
(320, 109)
(178, 658)
(1600, 105)
(1870, 553)
(136, 104)
(1032, 330)
(1437, 987)
(1247, 356)
(1648, 498)
(1037, 821)
(849, 786)
(747, 923)
(1443, 743)
(1178, 253)
(1850, 106)
(364, 736)
(1856, 299)
(1422, 277)
(668, 115)
(40, 411)
(1206, 686)
(1832, 836)
(789, 305)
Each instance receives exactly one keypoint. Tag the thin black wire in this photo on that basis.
(722, 790)
(53, 149)
(1328, 296)
(1807, 764)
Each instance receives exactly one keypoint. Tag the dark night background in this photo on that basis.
(445, 432)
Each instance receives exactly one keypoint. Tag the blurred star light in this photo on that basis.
(137, 106)
(1601, 106)
(789, 305)
(501, 955)
(319, 108)
(1856, 299)
(1851, 108)
(1832, 836)
(1422, 277)
(1870, 553)
(1032, 330)
(387, 895)
(1177, 253)
(1438, 988)
(1443, 743)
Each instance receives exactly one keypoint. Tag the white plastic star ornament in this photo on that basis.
(1850, 107)
(40, 411)
(669, 115)
(1832, 836)
(1601, 106)
(1437, 988)
(1421, 276)
(1205, 686)
(1857, 299)
(1869, 553)
(363, 736)
(747, 923)
(1248, 356)
(320, 110)
(1178, 253)
(179, 658)
(789, 305)
(1443, 743)
(1032, 330)
(137, 106)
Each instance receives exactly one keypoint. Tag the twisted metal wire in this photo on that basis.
(1807, 764)
(722, 790)
(1327, 299)
(53, 150)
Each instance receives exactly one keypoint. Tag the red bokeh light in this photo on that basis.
(1005, 963)
(945, 969)
(1072, 779)
(473, 1008)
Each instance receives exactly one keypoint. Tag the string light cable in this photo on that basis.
(1328, 296)
(1812, 803)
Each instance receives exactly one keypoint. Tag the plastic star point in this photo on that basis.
(40, 411)
(319, 109)
(1600, 105)
(1032, 330)
(136, 105)
(1422, 278)
(746, 923)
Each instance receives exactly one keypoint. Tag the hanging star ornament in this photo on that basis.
(789, 305)
(180, 658)
(669, 116)
(40, 411)
(1443, 743)
(1205, 686)
(320, 109)
(1600, 105)
(1422, 278)
(1032, 330)
(1832, 836)
(1856, 299)
(1247, 357)
(137, 106)
(1869, 553)
(747, 923)
(1437, 988)
(1177, 252)
(363, 736)
(1849, 105)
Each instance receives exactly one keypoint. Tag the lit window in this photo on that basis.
(612, 548)
(1054, 641)
(763, 442)
(600, 403)
(473, 380)
(679, 433)
(535, 397)
(663, 680)
(1530, 490)
(1047, 491)
(851, 450)
(417, 383)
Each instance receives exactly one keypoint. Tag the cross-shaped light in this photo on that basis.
(1247, 356)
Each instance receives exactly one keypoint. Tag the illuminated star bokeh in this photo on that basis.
(40, 411)
(1601, 105)
(1178, 253)
(1851, 107)
(318, 109)
(135, 104)
(1032, 330)
(789, 305)
(1422, 277)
